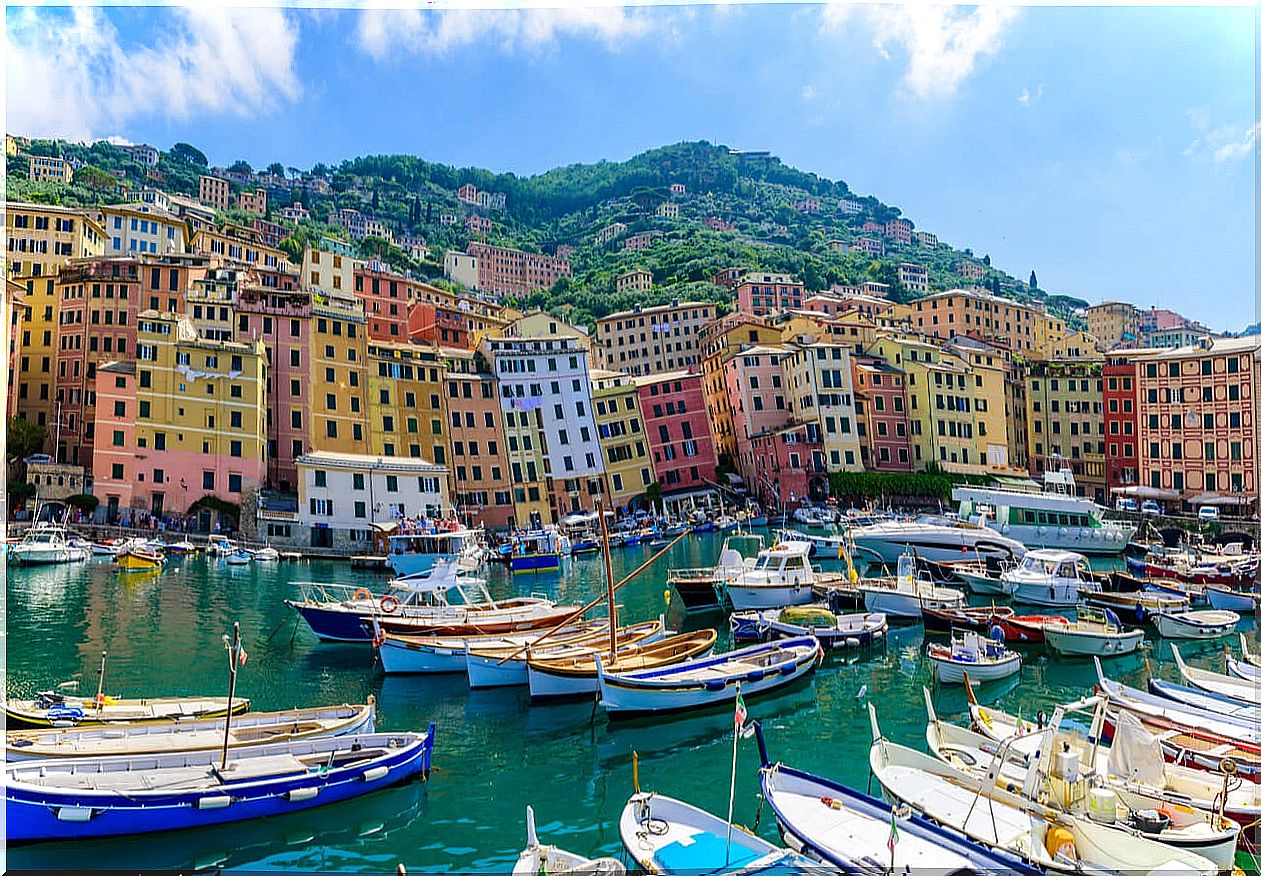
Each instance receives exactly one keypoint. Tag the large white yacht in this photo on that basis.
(932, 537)
(1054, 518)
(47, 544)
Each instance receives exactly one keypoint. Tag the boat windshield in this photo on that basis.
(1040, 565)
(428, 543)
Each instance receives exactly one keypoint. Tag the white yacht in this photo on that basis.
(47, 544)
(907, 594)
(780, 575)
(932, 537)
(1048, 577)
(1053, 518)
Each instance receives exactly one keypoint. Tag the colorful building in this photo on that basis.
(758, 401)
(1120, 422)
(406, 402)
(623, 439)
(652, 340)
(788, 466)
(142, 229)
(679, 441)
(505, 271)
(214, 192)
(880, 407)
(821, 396)
(719, 340)
(46, 168)
(1023, 328)
(337, 375)
(1114, 324)
(482, 485)
(386, 298)
(187, 422)
(766, 294)
(1066, 423)
(11, 314)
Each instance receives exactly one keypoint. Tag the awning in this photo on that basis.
(1220, 500)
(1016, 483)
(1141, 492)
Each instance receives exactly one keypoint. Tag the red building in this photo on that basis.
(385, 297)
(767, 294)
(433, 322)
(682, 448)
(1120, 422)
(898, 229)
(729, 277)
(880, 406)
(789, 465)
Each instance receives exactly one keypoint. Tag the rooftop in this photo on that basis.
(330, 459)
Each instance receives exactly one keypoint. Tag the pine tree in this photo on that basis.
(1033, 279)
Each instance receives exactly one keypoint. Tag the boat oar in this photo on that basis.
(577, 613)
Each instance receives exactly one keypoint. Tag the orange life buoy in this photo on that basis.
(388, 604)
(362, 593)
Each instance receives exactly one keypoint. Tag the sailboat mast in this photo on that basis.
(234, 651)
(100, 684)
(608, 577)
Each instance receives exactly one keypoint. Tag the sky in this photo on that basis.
(1111, 150)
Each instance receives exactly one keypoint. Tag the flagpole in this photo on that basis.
(233, 656)
(735, 748)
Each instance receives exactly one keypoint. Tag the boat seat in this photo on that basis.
(250, 768)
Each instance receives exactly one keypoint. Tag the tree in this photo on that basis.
(189, 154)
(1033, 279)
(95, 178)
(83, 500)
(24, 437)
(295, 172)
(376, 200)
(240, 166)
(986, 260)
(292, 249)
(276, 169)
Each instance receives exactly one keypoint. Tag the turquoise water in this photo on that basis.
(494, 752)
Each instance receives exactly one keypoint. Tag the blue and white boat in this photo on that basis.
(117, 796)
(413, 553)
(850, 830)
(711, 681)
(538, 550)
(669, 837)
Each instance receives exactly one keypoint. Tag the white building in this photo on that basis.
(151, 196)
(360, 226)
(328, 271)
(460, 267)
(142, 228)
(820, 380)
(341, 495)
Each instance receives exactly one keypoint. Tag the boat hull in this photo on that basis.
(19, 718)
(1225, 599)
(753, 597)
(1063, 595)
(908, 606)
(1075, 644)
(949, 671)
(46, 556)
(534, 563)
(980, 620)
(696, 594)
(1186, 625)
(40, 812)
(486, 672)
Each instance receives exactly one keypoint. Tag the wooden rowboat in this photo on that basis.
(54, 710)
(577, 675)
(160, 737)
(1238, 689)
(1199, 624)
(1029, 629)
(979, 619)
(537, 859)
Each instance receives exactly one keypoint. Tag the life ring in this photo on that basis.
(362, 593)
(389, 604)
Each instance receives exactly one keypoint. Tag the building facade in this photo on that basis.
(679, 441)
(652, 340)
(623, 439)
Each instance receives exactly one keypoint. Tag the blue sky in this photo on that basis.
(1111, 150)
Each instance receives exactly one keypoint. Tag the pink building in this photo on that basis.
(788, 466)
(880, 406)
(637, 242)
(767, 294)
(899, 229)
(716, 223)
(682, 447)
(115, 464)
(757, 399)
(479, 225)
(870, 227)
(870, 245)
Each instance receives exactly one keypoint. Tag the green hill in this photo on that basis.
(772, 217)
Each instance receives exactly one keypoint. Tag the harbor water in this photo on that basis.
(495, 752)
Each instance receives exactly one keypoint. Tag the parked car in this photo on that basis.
(1124, 504)
(1208, 514)
(1150, 507)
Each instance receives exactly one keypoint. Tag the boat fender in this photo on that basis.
(852, 642)
(378, 772)
(1061, 844)
(389, 604)
(1041, 719)
(218, 801)
(789, 669)
(298, 795)
(362, 593)
(715, 685)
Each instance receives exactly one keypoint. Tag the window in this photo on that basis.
(234, 483)
(321, 478)
(357, 479)
(118, 438)
(234, 448)
(391, 483)
(207, 480)
(116, 471)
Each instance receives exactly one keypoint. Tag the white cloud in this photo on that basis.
(70, 75)
(430, 31)
(942, 44)
(1224, 144)
(1025, 98)
(808, 93)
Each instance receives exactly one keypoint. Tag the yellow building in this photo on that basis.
(338, 374)
(719, 341)
(652, 340)
(407, 402)
(821, 395)
(41, 240)
(538, 324)
(1065, 419)
(47, 168)
(192, 424)
(1114, 324)
(1078, 345)
(236, 243)
(328, 271)
(622, 440)
(1024, 328)
(940, 393)
(989, 371)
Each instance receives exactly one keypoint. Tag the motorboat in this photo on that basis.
(1198, 624)
(981, 658)
(710, 681)
(537, 859)
(834, 631)
(1093, 634)
(1043, 835)
(266, 554)
(442, 602)
(220, 546)
(1230, 599)
(138, 559)
(419, 548)
(780, 575)
(1049, 577)
(46, 544)
(176, 734)
(851, 831)
(537, 550)
(1226, 567)
(908, 593)
(1077, 779)
(1055, 518)
(239, 557)
(704, 588)
(1029, 629)
(184, 546)
(932, 537)
(117, 796)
